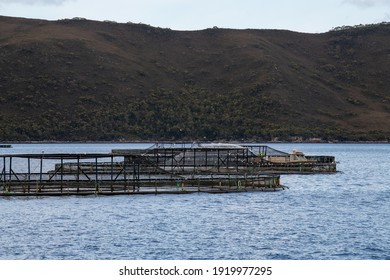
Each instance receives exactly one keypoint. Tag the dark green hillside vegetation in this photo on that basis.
(87, 80)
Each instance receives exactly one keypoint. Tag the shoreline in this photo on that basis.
(190, 142)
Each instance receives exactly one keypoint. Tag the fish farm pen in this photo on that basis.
(178, 169)
(195, 158)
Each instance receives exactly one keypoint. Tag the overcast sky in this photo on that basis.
(297, 15)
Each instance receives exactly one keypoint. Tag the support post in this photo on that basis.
(3, 172)
(10, 170)
(40, 173)
(62, 172)
(218, 160)
(78, 173)
(40, 170)
(96, 175)
(124, 173)
(112, 172)
(29, 174)
(194, 160)
(206, 160)
(237, 161)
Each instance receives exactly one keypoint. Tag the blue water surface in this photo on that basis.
(323, 216)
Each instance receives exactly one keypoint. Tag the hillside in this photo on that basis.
(87, 80)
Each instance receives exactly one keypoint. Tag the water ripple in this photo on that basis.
(338, 216)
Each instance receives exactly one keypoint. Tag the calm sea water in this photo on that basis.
(336, 216)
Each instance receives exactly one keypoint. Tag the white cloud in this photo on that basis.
(368, 3)
(32, 2)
